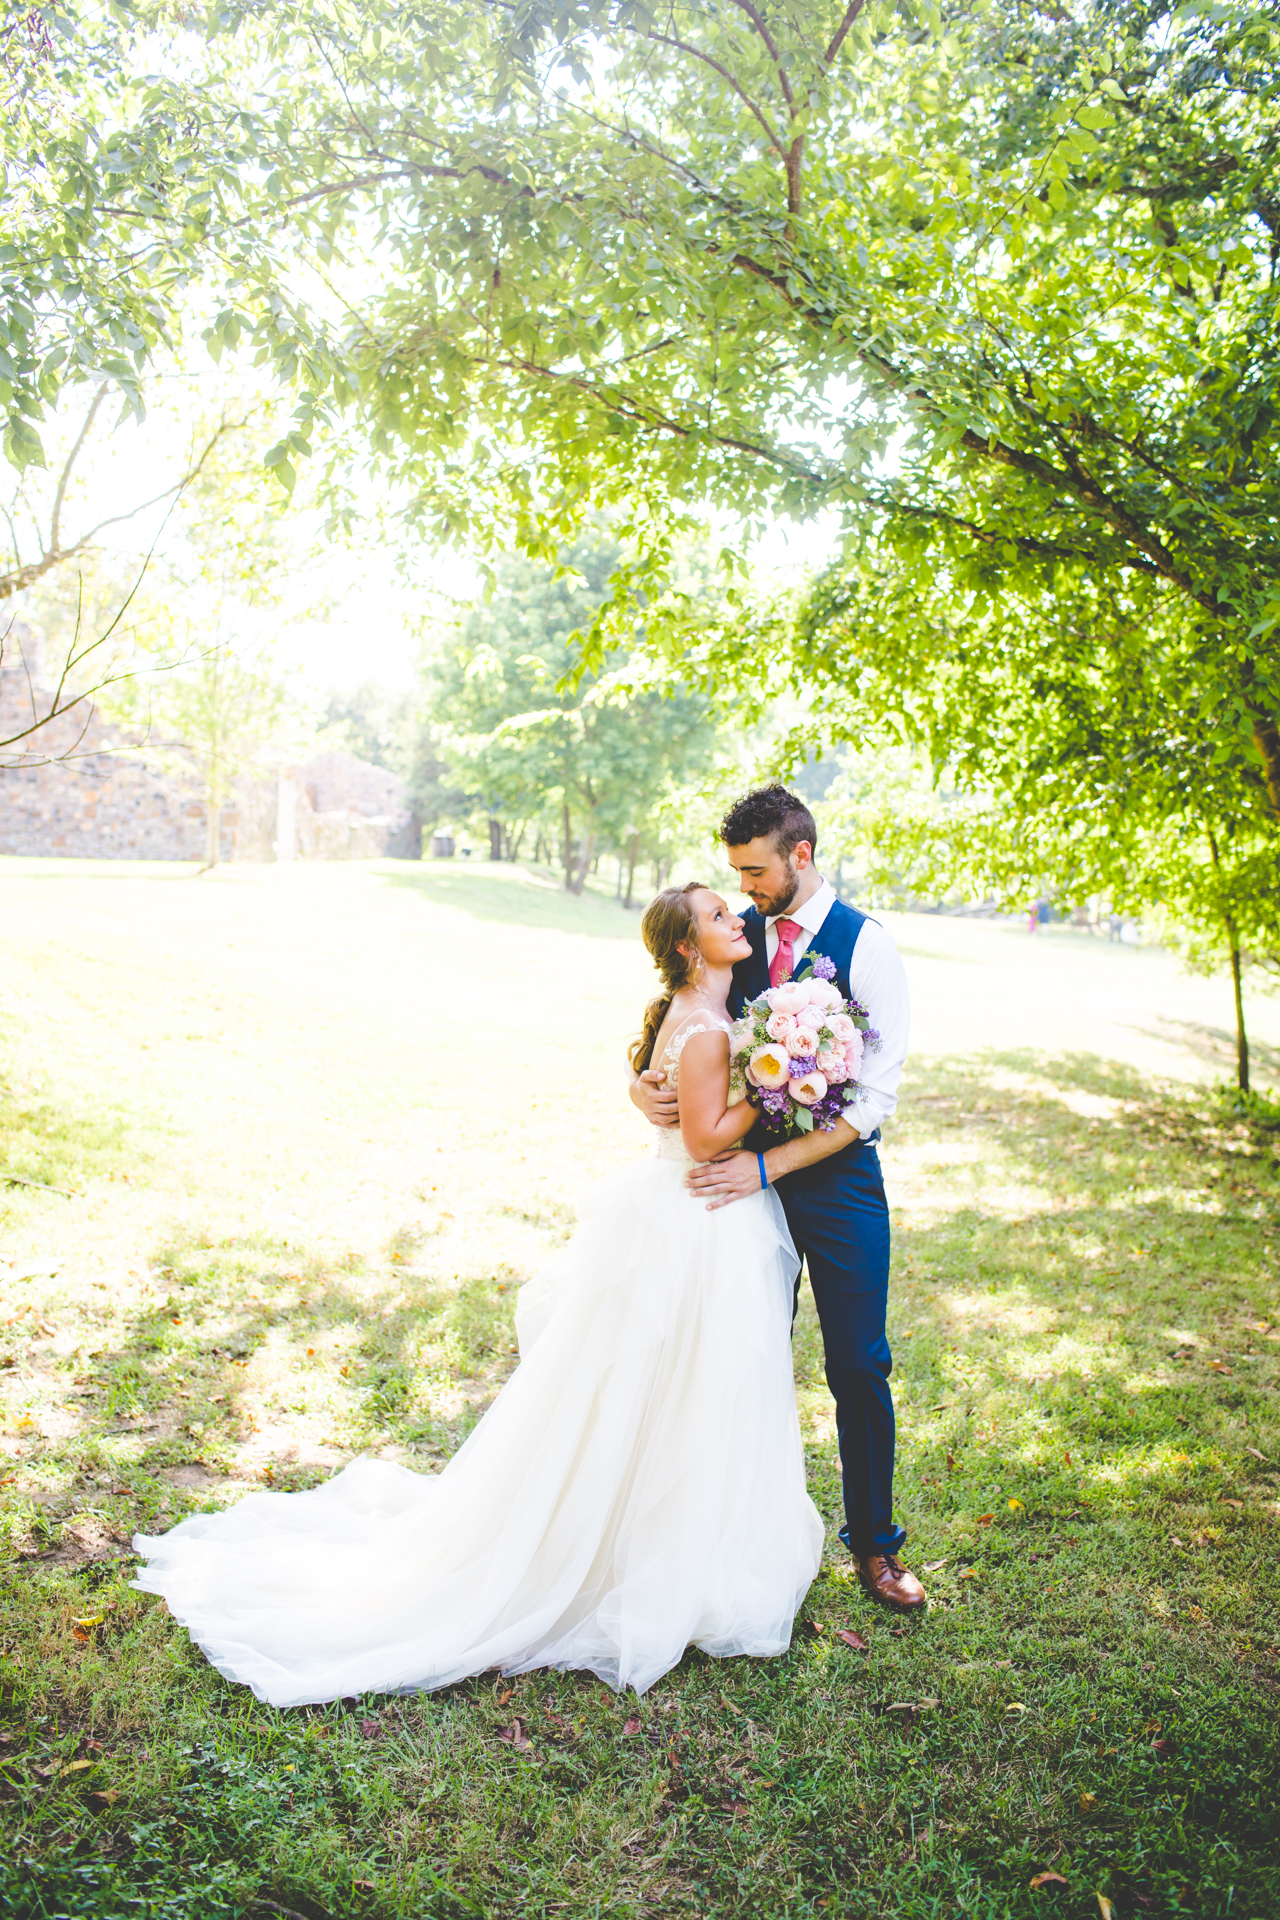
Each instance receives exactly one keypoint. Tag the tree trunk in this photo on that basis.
(633, 854)
(514, 845)
(213, 840)
(1266, 737)
(567, 850)
(1242, 1038)
(495, 838)
(584, 862)
(1233, 943)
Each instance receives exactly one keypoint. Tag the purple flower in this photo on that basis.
(823, 969)
(802, 1064)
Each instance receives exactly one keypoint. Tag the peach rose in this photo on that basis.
(780, 1026)
(853, 1054)
(769, 1067)
(802, 1042)
(822, 994)
(832, 1064)
(808, 1090)
(842, 1027)
(789, 997)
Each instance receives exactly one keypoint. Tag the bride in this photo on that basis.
(636, 1488)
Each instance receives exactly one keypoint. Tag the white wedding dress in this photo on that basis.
(636, 1488)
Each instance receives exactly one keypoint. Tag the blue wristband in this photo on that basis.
(764, 1178)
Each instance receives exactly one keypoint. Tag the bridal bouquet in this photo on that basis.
(797, 1051)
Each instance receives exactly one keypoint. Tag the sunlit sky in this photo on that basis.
(376, 597)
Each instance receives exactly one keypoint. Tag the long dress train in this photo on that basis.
(637, 1487)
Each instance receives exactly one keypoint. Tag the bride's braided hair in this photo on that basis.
(668, 922)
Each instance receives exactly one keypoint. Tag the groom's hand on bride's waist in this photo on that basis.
(656, 1101)
(730, 1176)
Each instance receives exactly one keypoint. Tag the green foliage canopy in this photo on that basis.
(1003, 290)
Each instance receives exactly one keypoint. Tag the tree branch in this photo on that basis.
(851, 15)
(744, 6)
(21, 577)
(696, 53)
(55, 522)
(999, 452)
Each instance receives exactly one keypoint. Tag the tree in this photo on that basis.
(1055, 741)
(586, 765)
(372, 722)
(1003, 293)
(223, 710)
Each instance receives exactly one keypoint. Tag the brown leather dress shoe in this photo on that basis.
(885, 1578)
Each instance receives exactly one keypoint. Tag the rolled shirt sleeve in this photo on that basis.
(878, 980)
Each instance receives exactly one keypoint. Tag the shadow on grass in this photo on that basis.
(46, 1145)
(511, 897)
(1082, 1309)
(1216, 1046)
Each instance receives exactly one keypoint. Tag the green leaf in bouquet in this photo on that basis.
(804, 1119)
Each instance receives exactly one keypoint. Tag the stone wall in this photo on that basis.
(83, 788)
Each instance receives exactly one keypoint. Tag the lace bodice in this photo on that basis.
(670, 1144)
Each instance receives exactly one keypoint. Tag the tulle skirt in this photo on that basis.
(636, 1488)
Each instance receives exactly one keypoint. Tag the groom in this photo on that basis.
(829, 1183)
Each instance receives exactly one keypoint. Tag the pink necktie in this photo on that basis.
(785, 958)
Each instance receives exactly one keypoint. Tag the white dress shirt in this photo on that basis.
(878, 981)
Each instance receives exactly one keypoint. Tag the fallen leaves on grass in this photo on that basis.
(1104, 1905)
(516, 1735)
(632, 1725)
(107, 1796)
(365, 1886)
(852, 1639)
(1039, 1880)
(371, 1729)
(934, 1566)
(1088, 1801)
(985, 1519)
(1258, 1456)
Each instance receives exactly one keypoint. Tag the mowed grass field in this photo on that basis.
(316, 1125)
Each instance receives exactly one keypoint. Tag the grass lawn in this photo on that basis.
(298, 1216)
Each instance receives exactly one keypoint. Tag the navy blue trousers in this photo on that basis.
(839, 1220)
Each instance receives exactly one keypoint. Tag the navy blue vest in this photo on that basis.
(836, 938)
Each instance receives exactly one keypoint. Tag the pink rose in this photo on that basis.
(769, 1067)
(789, 998)
(842, 1027)
(808, 1090)
(832, 1064)
(802, 1042)
(780, 1026)
(853, 1054)
(822, 994)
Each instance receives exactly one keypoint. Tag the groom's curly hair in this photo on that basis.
(774, 811)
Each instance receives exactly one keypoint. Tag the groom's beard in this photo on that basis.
(779, 902)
